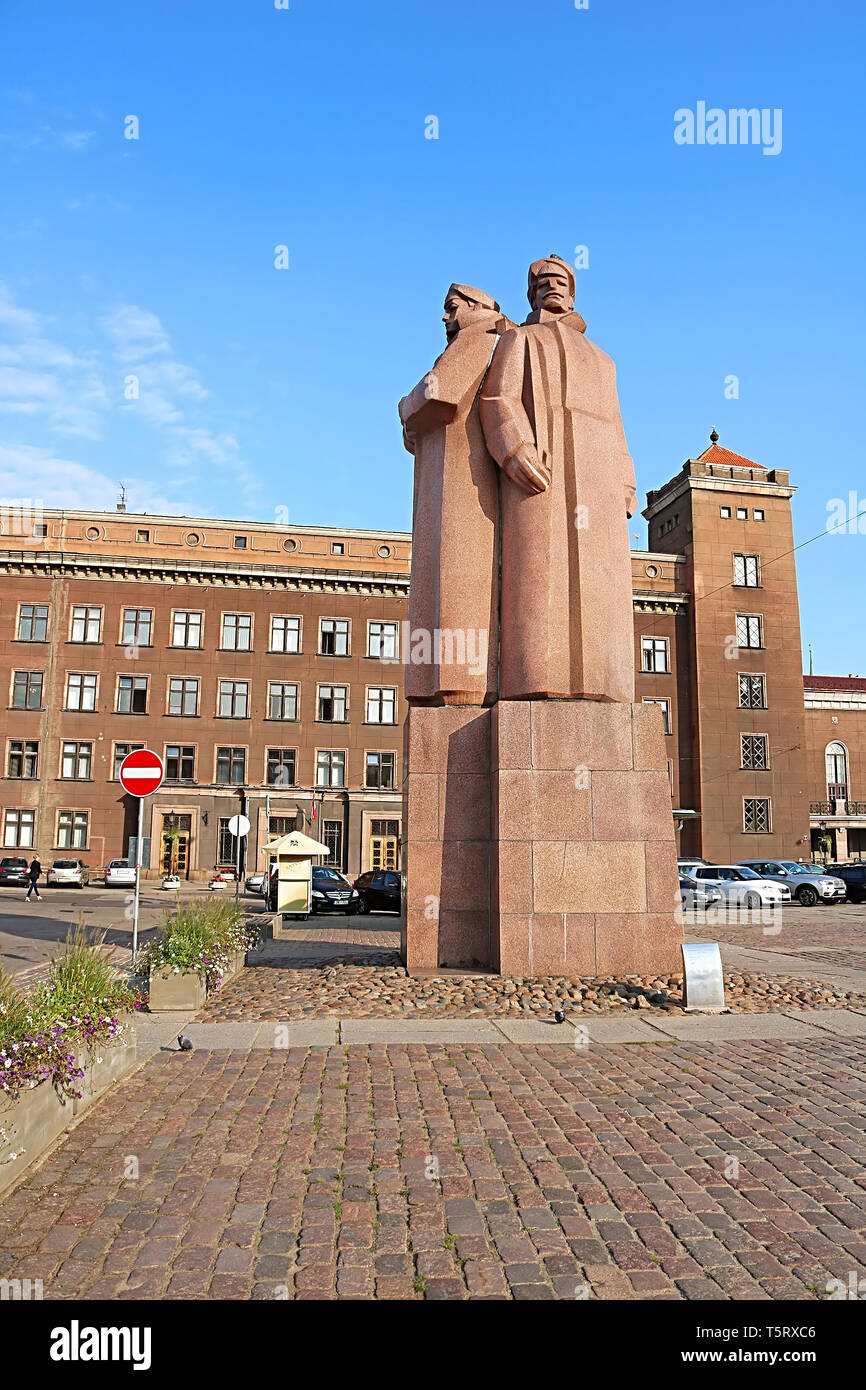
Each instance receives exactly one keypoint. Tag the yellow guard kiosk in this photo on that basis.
(294, 854)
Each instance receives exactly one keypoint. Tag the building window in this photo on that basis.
(239, 543)
(142, 537)
(281, 767)
(334, 637)
(753, 691)
(233, 699)
(756, 815)
(654, 654)
(226, 843)
(19, 828)
(754, 752)
(758, 514)
(281, 825)
(27, 689)
(330, 768)
(131, 695)
(747, 571)
(179, 762)
(137, 627)
(186, 628)
(231, 766)
(666, 712)
(237, 632)
(282, 700)
(86, 624)
(33, 622)
(121, 751)
(836, 762)
(183, 695)
(81, 690)
(332, 836)
(742, 514)
(380, 770)
(382, 641)
(72, 830)
(338, 548)
(332, 704)
(40, 529)
(725, 513)
(285, 634)
(76, 760)
(23, 758)
(381, 704)
(749, 632)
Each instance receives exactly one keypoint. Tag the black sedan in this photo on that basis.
(13, 872)
(332, 892)
(379, 891)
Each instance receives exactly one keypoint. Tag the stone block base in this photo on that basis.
(538, 840)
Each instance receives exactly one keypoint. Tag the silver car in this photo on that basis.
(741, 884)
(804, 884)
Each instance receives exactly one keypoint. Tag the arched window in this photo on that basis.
(837, 772)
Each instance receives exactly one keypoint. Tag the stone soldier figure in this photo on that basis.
(551, 420)
(453, 599)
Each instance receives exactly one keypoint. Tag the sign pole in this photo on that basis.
(137, 884)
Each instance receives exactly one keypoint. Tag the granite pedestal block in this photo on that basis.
(539, 840)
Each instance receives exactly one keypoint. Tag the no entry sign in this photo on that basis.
(141, 772)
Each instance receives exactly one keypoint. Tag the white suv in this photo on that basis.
(67, 873)
(739, 884)
(120, 874)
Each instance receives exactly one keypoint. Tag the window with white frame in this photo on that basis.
(742, 514)
(285, 634)
(33, 622)
(282, 700)
(27, 689)
(281, 767)
(121, 751)
(747, 571)
(753, 691)
(756, 815)
(131, 695)
(332, 703)
(754, 752)
(330, 768)
(665, 706)
(18, 828)
(76, 760)
(382, 641)
(749, 630)
(180, 762)
(81, 690)
(233, 699)
(137, 627)
(654, 654)
(758, 514)
(86, 625)
(183, 695)
(380, 770)
(237, 632)
(186, 628)
(22, 760)
(381, 704)
(231, 766)
(334, 637)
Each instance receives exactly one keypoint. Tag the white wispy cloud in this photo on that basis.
(41, 477)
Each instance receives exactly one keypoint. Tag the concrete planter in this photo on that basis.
(32, 1122)
(184, 990)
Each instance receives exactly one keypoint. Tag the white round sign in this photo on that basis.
(239, 826)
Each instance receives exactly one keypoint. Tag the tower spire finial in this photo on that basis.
(714, 435)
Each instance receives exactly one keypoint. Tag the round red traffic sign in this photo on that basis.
(141, 772)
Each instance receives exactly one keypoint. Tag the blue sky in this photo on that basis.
(264, 389)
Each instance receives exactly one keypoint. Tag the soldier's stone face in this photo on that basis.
(553, 292)
(458, 313)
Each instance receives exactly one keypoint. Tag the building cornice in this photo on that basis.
(702, 482)
(649, 601)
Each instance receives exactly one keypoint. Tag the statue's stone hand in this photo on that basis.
(524, 468)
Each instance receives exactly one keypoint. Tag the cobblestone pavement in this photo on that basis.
(836, 935)
(686, 1171)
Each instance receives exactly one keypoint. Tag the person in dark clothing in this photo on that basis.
(33, 874)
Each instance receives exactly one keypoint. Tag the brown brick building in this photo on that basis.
(262, 662)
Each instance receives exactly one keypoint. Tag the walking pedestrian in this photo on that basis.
(33, 874)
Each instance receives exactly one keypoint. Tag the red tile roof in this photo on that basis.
(716, 454)
(834, 682)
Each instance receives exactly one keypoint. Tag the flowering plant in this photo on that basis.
(201, 937)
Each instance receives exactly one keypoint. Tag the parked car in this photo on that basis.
(332, 892)
(688, 862)
(854, 878)
(379, 891)
(742, 885)
(67, 873)
(120, 874)
(807, 887)
(255, 883)
(13, 872)
(697, 897)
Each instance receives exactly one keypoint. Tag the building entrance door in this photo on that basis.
(174, 842)
(383, 844)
